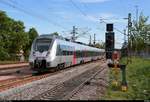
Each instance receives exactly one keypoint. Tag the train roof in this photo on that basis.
(64, 41)
(50, 36)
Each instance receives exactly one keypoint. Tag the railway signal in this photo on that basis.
(124, 82)
(116, 67)
(109, 39)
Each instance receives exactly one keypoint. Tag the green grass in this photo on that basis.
(138, 79)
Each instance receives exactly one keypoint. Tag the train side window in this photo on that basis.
(81, 53)
(64, 53)
(58, 52)
(90, 53)
(68, 52)
(77, 54)
(71, 52)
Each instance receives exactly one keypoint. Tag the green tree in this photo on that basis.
(140, 33)
(12, 37)
(100, 45)
(32, 34)
(5, 21)
(56, 33)
(18, 37)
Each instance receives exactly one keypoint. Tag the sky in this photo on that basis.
(49, 16)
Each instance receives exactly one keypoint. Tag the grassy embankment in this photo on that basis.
(138, 79)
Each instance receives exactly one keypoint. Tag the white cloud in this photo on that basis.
(93, 1)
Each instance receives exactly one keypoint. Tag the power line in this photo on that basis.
(22, 6)
(33, 14)
(114, 27)
(93, 16)
(83, 13)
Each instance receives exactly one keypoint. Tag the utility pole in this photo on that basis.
(90, 40)
(137, 11)
(124, 35)
(129, 36)
(74, 34)
(94, 39)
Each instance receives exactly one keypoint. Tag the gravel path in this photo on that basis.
(30, 90)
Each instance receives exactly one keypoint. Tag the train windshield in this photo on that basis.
(42, 45)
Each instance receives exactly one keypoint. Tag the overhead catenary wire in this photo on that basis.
(93, 16)
(33, 14)
(74, 4)
(83, 13)
(114, 27)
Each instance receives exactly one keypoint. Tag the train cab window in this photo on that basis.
(42, 44)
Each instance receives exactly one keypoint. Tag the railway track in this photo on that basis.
(67, 89)
(13, 66)
(8, 84)
(14, 82)
(3, 82)
(86, 82)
